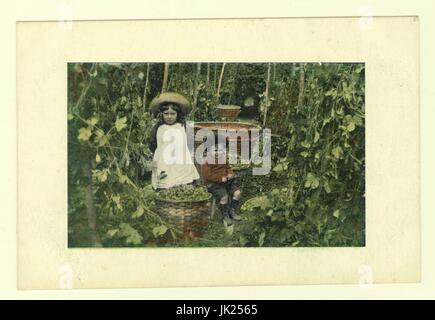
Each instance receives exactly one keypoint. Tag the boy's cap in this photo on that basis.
(170, 97)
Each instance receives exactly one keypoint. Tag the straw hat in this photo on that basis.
(170, 97)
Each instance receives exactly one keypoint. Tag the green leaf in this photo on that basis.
(336, 213)
(305, 144)
(279, 167)
(307, 183)
(229, 229)
(261, 239)
(131, 234)
(97, 158)
(99, 133)
(102, 82)
(316, 137)
(160, 230)
(112, 232)
(84, 134)
(173, 234)
(304, 154)
(337, 152)
(332, 92)
(138, 213)
(101, 138)
(349, 123)
(122, 178)
(327, 120)
(243, 241)
(100, 175)
(269, 213)
(120, 123)
(359, 69)
(125, 230)
(134, 238)
(256, 202)
(299, 228)
(102, 141)
(358, 120)
(327, 187)
(311, 181)
(117, 200)
(92, 121)
(70, 116)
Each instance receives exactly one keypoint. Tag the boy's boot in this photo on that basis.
(225, 211)
(234, 208)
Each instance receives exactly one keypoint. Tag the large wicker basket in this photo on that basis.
(190, 218)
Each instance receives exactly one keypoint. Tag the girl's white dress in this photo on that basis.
(173, 161)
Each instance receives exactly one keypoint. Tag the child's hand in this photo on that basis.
(224, 179)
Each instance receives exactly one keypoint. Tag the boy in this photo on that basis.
(219, 181)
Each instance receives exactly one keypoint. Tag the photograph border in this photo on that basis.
(191, 267)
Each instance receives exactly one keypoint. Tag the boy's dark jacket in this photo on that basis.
(213, 173)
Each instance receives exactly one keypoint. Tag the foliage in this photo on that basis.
(184, 193)
(321, 153)
(108, 130)
(183, 81)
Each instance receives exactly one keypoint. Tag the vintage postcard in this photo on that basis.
(278, 151)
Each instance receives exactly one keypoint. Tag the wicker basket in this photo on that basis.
(228, 112)
(190, 218)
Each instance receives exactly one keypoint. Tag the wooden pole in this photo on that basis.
(220, 80)
(215, 76)
(165, 77)
(274, 72)
(90, 205)
(146, 88)
(301, 85)
(195, 86)
(266, 94)
(208, 74)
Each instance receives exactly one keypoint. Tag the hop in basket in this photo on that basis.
(186, 208)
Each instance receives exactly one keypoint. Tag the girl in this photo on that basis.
(172, 161)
